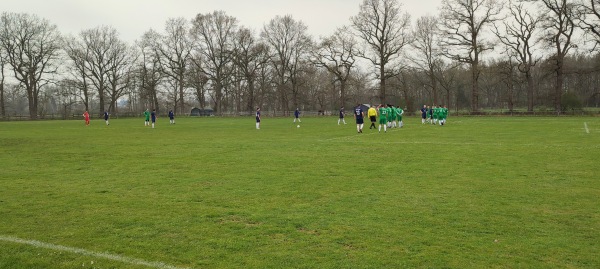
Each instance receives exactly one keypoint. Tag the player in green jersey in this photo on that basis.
(389, 116)
(392, 116)
(444, 115)
(399, 113)
(383, 116)
(147, 116)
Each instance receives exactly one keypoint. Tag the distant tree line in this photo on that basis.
(472, 55)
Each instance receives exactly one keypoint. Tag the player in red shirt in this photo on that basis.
(86, 116)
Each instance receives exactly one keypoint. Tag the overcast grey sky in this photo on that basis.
(132, 18)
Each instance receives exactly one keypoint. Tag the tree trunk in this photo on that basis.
(284, 102)
(86, 97)
(434, 91)
(474, 87)
(559, 84)
(406, 99)
(250, 101)
(101, 97)
(342, 92)
(155, 99)
(181, 87)
(448, 99)
(529, 91)
(294, 96)
(200, 95)
(2, 106)
(283, 99)
(510, 93)
(32, 100)
(155, 102)
(238, 96)
(218, 97)
(382, 84)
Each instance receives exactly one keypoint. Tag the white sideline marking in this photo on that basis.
(460, 143)
(587, 130)
(81, 251)
(422, 142)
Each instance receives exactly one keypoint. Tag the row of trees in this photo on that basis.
(490, 53)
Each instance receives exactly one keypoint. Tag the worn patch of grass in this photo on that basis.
(216, 193)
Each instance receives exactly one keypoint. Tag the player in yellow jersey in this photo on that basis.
(372, 113)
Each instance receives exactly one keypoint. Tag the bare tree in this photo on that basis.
(214, 34)
(319, 89)
(590, 20)
(174, 50)
(250, 57)
(518, 34)
(559, 22)
(120, 75)
(101, 59)
(32, 46)
(265, 86)
(447, 77)
(198, 80)
(290, 44)
(426, 40)
(2, 77)
(103, 50)
(505, 71)
(150, 70)
(386, 31)
(78, 53)
(336, 55)
(67, 95)
(464, 23)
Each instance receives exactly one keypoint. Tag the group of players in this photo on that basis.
(86, 117)
(147, 116)
(389, 115)
(434, 115)
(153, 115)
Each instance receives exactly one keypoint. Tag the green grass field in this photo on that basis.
(217, 193)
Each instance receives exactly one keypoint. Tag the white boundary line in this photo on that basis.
(85, 252)
(453, 143)
(587, 130)
(429, 143)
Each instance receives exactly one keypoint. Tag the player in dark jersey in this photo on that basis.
(153, 116)
(431, 114)
(342, 113)
(106, 117)
(297, 115)
(258, 118)
(423, 114)
(359, 115)
(171, 117)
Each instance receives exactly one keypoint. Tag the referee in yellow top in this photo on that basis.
(372, 113)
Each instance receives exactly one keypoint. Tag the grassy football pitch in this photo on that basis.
(217, 193)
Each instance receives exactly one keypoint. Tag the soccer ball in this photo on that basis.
(298, 126)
